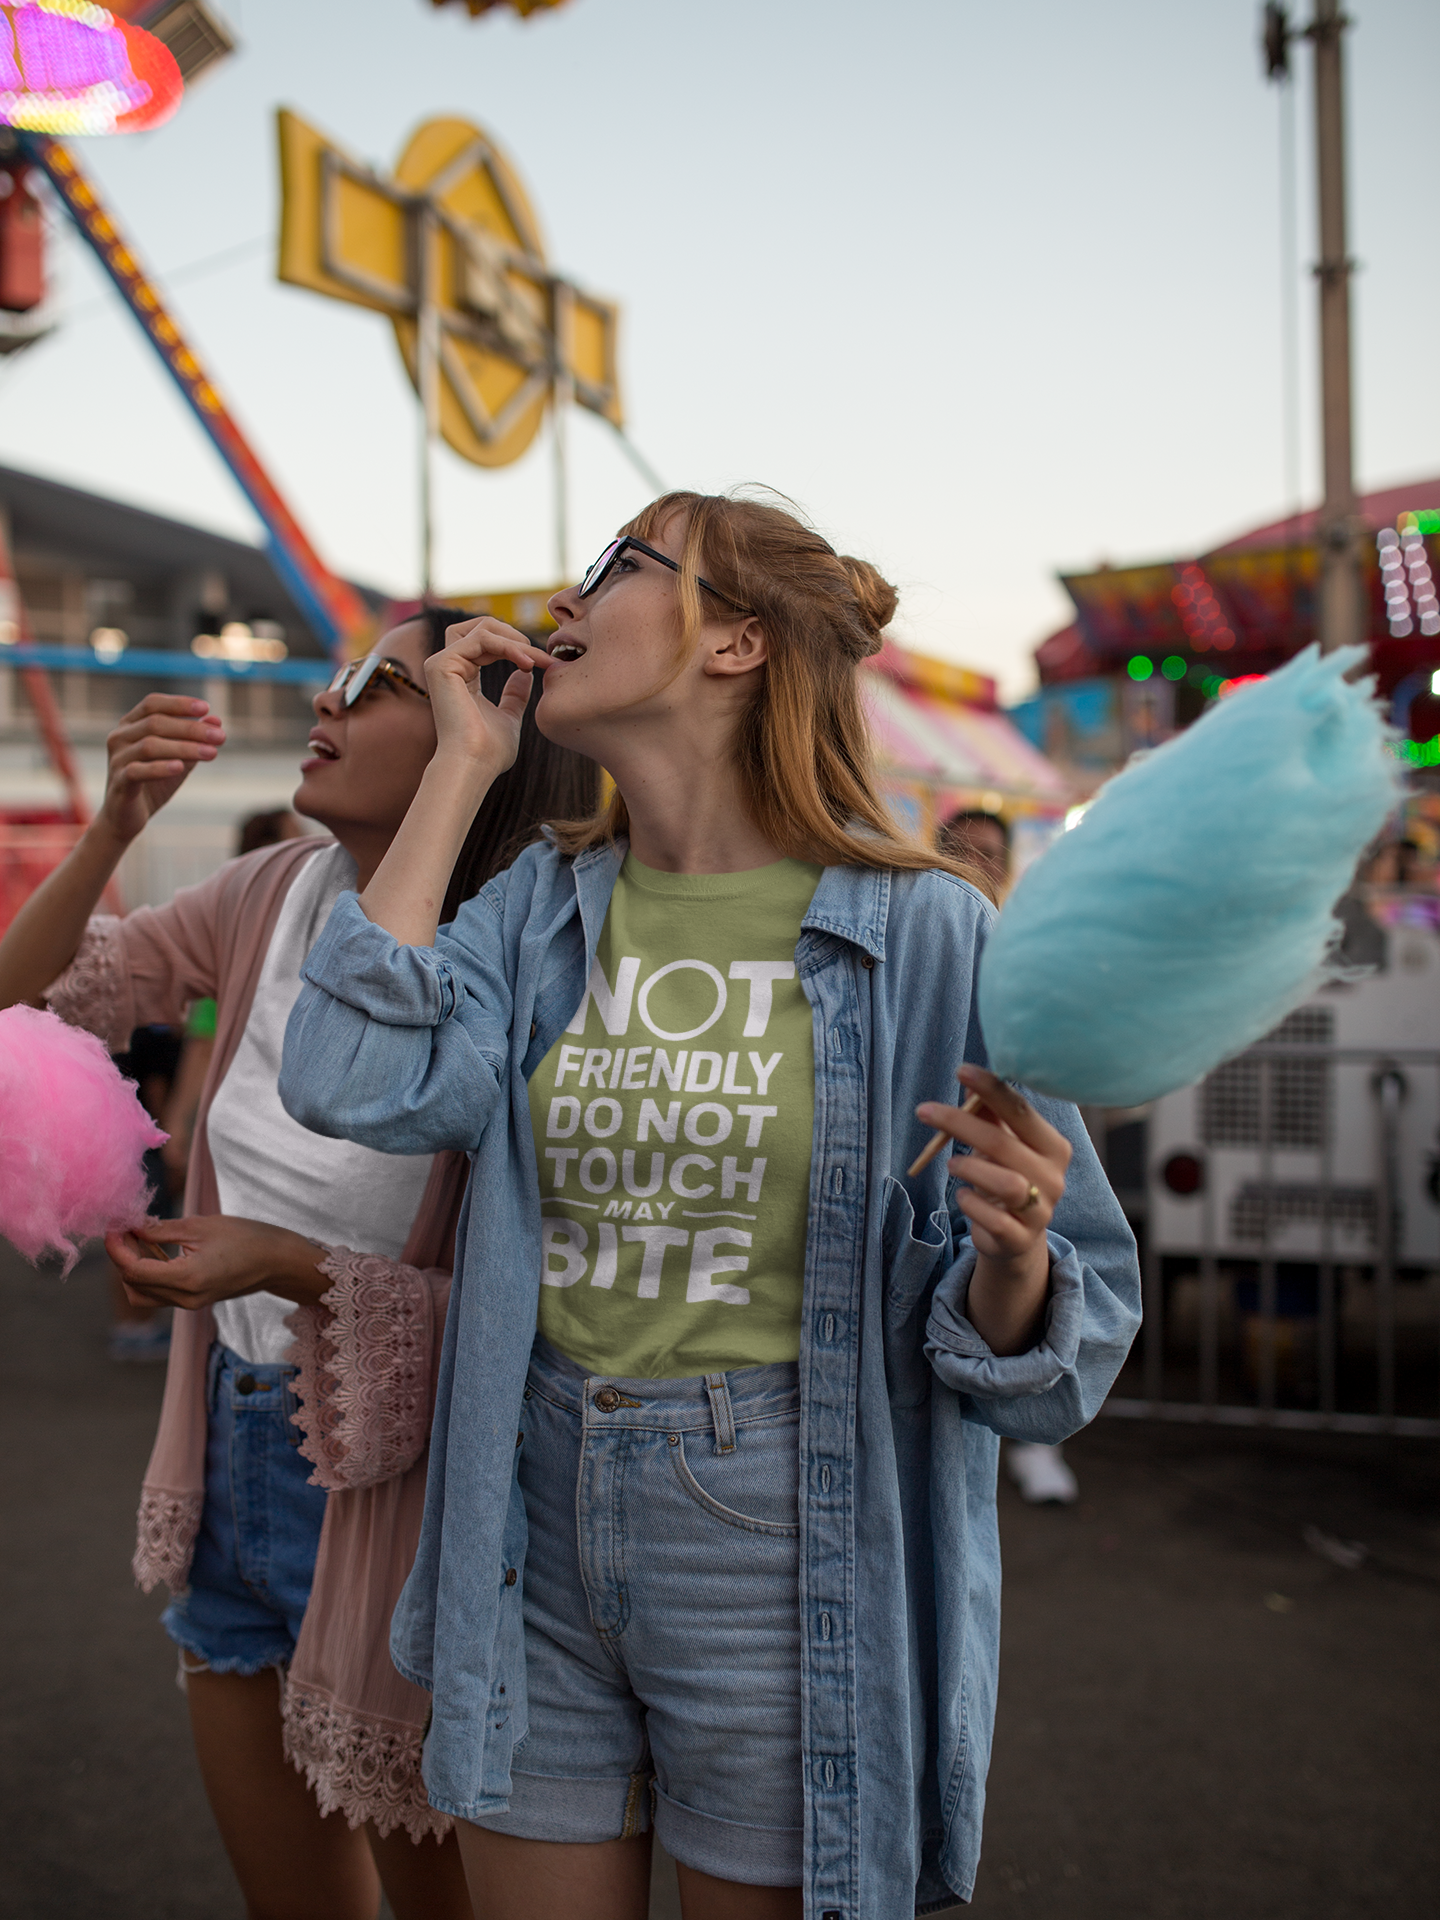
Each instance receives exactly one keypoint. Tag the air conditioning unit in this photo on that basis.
(198, 35)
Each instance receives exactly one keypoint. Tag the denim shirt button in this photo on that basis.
(511, 1576)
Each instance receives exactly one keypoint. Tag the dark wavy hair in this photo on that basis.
(547, 782)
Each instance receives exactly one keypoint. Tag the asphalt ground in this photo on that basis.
(1200, 1714)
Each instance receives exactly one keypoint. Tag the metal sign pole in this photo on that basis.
(1341, 610)
(559, 404)
(427, 380)
(562, 393)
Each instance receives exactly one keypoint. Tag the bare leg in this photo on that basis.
(422, 1881)
(291, 1863)
(514, 1879)
(703, 1897)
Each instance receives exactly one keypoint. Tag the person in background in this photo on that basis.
(276, 1217)
(981, 837)
(269, 829)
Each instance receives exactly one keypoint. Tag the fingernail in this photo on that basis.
(926, 1113)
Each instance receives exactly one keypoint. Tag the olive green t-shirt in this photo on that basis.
(672, 1122)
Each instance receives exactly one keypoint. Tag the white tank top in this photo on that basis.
(267, 1166)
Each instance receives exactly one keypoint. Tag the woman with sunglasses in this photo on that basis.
(232, 1517)
(710, 1533)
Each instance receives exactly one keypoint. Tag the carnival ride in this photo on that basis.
(494, 339)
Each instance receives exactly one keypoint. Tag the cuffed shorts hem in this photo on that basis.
(189, 1641)
(755, 1856)
(544, 1806)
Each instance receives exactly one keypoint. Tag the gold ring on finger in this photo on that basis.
(1032, 1199)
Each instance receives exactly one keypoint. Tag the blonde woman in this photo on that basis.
(710, 1538)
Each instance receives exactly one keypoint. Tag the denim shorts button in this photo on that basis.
(607, 1399)
(511, 1576)
(246, 1383)
(673, 1438)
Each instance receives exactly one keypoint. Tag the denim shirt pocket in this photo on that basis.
(911, 1264)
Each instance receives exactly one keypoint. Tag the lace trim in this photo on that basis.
(165, 1530)
(88, 993)
(364, 1370)
(365, 1769)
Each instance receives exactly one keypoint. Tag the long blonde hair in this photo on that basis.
(803, 746)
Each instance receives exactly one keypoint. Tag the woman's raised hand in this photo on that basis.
(151, 754)
(467, 726)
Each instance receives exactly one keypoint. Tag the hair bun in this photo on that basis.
(875, 597)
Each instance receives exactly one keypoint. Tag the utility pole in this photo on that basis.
(1341, 609)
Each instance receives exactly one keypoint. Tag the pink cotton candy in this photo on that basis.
(72, 1133)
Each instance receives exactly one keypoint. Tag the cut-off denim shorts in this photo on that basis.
(662, 1618)
(259, 1529)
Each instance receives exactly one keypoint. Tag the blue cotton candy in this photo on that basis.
(1191, 908)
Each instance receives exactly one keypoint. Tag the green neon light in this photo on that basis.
(1173, 668)
(1139, 668)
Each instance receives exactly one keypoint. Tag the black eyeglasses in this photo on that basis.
(597, 573)
(356, 675)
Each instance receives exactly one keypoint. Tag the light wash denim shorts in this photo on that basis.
(259, 1529)
(662, 1616)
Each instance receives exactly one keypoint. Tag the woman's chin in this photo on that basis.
(309, 804)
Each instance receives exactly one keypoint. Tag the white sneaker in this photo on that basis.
(1041, 1473)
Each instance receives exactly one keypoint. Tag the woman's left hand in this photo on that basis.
(1014, 1174)
(1013, 1177)
(222, 1258)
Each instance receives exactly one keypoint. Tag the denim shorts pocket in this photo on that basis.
(764, 1470)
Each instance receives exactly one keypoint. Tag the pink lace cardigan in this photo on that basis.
(367, 1356)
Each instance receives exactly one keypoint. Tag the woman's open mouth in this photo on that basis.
(566, 650)
(322, 752)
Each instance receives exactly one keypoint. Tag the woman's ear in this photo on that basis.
(738, 649)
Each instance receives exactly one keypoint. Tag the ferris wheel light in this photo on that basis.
(67, 67)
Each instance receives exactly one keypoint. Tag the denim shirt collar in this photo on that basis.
(851, 902)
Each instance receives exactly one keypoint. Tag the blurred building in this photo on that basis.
(943, 745)
(1152, 646)
(119, 602)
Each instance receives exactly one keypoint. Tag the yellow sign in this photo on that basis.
(524, 607)
(453, 237)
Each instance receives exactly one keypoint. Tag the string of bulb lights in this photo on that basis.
(1405, 575)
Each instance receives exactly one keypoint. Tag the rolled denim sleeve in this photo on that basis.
(404, 1049)
(1091, 1316)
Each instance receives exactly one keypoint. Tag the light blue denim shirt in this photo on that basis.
(413, 1049)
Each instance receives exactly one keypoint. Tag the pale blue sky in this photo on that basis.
(991, 290)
